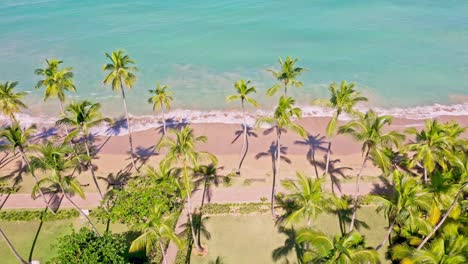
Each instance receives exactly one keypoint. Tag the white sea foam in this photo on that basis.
(184, 116)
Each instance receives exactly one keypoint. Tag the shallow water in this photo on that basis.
(400, 53)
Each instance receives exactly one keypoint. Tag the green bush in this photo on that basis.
(37, 215)
(235, 208)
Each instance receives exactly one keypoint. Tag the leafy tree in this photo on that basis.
(82, 116)
(343, 99)
(161, 101)
(157, 229)
(85, 246)
(404, 205)
(55, 81)
(447, 249)
(346, 249)
(11, 102)
(17, 139)
(182, 150)
(121, 75)
(243, 90)
(309, 198)
(133, 203)
(286, 76)
(56, 160)
(429, 146)
(368, 129)
(281, 121)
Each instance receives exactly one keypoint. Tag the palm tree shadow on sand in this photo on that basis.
(271, 152)
(314, 144)
(237, 134)
(335, 172)
(172, 123)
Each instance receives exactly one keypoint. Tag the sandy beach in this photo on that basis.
(113, 158)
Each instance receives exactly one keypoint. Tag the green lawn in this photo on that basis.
(252, 238)
(22, 234)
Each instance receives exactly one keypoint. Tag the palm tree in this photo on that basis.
(345, 249)
(207, 176)
(156, 231)
(82, 116)
(282, 119)
(10, 102)
(342, 100)
(369, 130)
(309, 198)
(121, 75)
(286, 76)
(182, 150)
(243, 90)
(404, 205)
(428, 146)
(161, 101)
(57, 160)
(17, 139)
(12, 248)
(56, 81)
(448, 249)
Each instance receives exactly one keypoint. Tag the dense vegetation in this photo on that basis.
(426, 172)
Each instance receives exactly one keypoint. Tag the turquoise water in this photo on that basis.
(400, 52)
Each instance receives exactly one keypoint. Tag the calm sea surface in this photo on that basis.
(401, 53)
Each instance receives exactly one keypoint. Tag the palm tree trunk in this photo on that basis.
(163, 120)
(189, 209)
(356, 194)
(62, 111)
(276, 170)
(244, 143)
(455, 201)
(91, 167)
(387, 236)
(425, 175)
(81, 211)
(163, 253)
(25, 159)
(13, 250)
(130, 140)
(327, 163)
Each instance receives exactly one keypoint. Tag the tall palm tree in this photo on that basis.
(11, 102)
(404, 205)
(428, 146)
(243, 90)
(182, 150)
(343, 99)
(368, 129)
(121, 75)
(55, 81)
(346, 249)
(56, 160)
(12, 248)
(309, 198)
(82, 116)
(156, 231)
(286, 76)
(161, 101)
(282, 120)
(17, 139)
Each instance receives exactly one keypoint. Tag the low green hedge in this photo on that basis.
(37, 215)
(235, 208)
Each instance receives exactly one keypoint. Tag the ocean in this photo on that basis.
(405, 55)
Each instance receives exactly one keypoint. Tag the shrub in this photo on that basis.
(37, 215)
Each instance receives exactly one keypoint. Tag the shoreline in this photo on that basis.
(177, 117)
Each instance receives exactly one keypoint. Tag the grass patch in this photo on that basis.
(252, 238)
